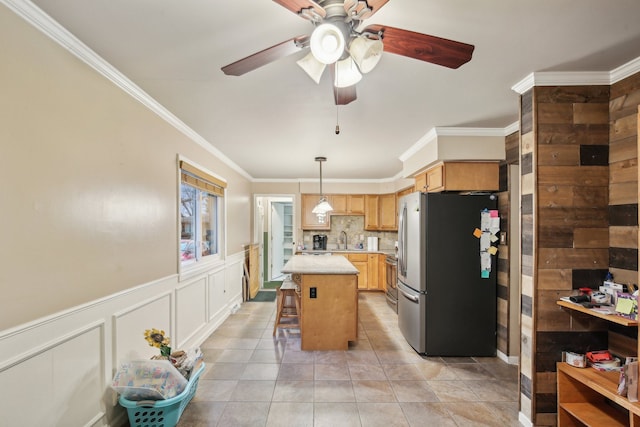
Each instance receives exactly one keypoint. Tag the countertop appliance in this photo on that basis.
(445, 307)
(391, 277)
(319, 242)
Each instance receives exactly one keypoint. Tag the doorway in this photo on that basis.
(274, 230)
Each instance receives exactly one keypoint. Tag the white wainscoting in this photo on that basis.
(56, 371)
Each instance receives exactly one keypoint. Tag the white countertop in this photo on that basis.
(319, 264)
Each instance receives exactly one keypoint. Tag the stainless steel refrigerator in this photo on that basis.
(445, 306)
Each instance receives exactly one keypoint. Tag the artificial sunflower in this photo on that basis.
(156, 338)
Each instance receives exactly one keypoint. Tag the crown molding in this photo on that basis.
(577, 78)
(52, 29)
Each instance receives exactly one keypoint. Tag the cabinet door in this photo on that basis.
(421, 182)
(388, 212)
(435, 178)
(355, 204)
(371, 216)
(309, 221)
(405, 192)
(373, 278)
(339, 204)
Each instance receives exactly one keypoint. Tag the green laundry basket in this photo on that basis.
(161, 413)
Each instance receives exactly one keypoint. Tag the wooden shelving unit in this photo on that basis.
(589, 397)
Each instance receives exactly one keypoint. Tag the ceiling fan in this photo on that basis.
(337, 42)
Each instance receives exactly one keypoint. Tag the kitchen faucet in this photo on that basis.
(345, 238)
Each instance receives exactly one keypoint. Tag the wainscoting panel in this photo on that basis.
(58, 370)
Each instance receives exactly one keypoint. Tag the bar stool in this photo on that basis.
(285, 308)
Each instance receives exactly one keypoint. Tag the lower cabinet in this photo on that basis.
(587, 397)
(368, 265)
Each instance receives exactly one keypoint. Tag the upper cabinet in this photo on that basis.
(381, 212)
(459, 176)
(309, 221)
(347, 204)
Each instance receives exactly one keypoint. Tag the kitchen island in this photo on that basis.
(328, 300)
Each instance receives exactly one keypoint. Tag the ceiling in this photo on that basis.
(272, 122)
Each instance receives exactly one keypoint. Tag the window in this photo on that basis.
(201, 197)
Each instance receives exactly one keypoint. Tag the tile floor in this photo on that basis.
(255, 379)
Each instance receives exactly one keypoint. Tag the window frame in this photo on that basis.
(209, 180)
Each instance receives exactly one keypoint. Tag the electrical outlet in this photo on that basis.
(313, 292)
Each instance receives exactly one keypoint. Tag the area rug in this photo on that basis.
(264, 296)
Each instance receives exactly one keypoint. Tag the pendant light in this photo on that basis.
(323, 207)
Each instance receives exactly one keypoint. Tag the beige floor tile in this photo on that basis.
(234, 356)
(408, 372)
(331, 372)
(293, 391)
(382, 415)
(296, 371)
(431, 414)
(224, 371)
(261, 371)
(244, 414)
(255, 379)
(373, 391)
(367, 372)
(494, 390)
(253, 391)
(333, 391)
(336, 415)
(214, 390)
(413, 391)
(289, 414)
(475, 414)
(453, 391)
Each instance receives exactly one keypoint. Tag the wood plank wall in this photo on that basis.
(565, 220)
(512, 143)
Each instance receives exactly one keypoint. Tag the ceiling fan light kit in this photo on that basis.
(312, 67)
(347, 73)
(366, 52)
(336, 38)
(327, 43)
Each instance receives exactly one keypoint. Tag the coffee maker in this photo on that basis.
(319, 242)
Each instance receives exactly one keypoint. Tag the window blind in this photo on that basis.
(201, 180)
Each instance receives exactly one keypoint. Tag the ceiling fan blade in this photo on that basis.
(266, 56)
(344, 95)
(448, 53)
(308, 9)
(363, 8)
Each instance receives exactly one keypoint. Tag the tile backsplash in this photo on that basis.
(353, 225)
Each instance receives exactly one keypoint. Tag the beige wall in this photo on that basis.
(89, 182)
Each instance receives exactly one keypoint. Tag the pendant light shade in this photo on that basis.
(327, 43)
(366, 52)
(323, 207)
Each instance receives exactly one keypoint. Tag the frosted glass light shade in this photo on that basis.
(312, 67)
(322, 207)
(346, 73)
(366, 53)
(327, 43)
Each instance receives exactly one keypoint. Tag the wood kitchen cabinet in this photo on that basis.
(361, 262)
(347, 204)
(309, 221)
(381, 212)
(459, 176)
(373, 273)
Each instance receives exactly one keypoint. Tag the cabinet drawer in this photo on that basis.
(357, 257)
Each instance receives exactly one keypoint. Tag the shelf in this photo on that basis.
(585, 395)
(608, 317)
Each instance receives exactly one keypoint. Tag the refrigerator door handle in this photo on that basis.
(408, 296)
